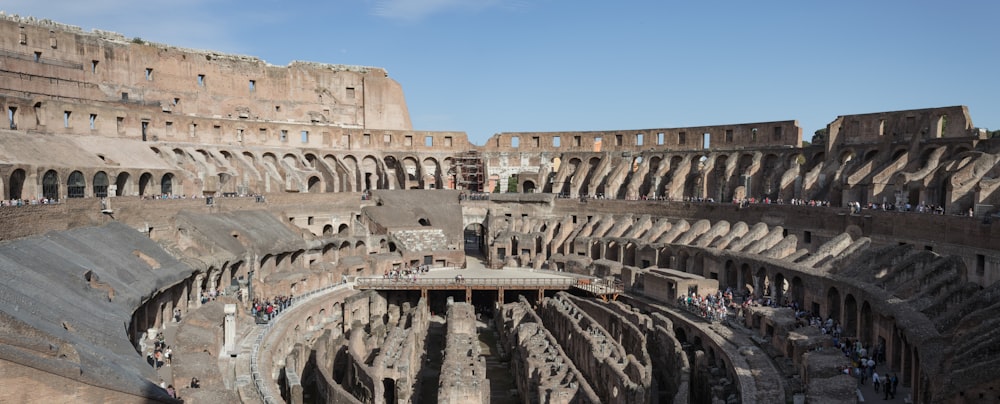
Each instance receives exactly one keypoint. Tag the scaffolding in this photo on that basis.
(469, 172)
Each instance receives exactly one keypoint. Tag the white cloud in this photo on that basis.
(413, 10)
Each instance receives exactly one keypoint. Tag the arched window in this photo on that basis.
(76, 185)
(16, 184)
(50, 185)
(101, 184)
(166, 186)
(144, 181)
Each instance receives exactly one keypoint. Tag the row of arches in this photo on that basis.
(51, 185)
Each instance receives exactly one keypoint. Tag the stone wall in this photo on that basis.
(463, 373)
(542, 370)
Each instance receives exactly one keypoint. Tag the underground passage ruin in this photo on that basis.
(153, 190)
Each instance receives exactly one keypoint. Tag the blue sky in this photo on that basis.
(489, 66)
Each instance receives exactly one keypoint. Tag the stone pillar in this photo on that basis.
(229, 329)
(196, 288)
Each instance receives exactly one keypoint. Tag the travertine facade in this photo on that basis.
(112, 148)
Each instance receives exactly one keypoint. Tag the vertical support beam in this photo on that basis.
(423, 293)
(541, 295)
(500, 296)
(468, 295)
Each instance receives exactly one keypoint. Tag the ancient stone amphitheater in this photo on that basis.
(157, 192)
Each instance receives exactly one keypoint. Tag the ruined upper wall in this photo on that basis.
(900, 126)
(47, 65)
(779, 133)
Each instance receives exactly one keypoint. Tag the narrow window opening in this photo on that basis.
(555, 141)
(125, 97)
(729, 135)
(120, 124)
(350, 93)
(807, 237)
(177, 100)
(618, 140)
(980, 265)
(305, 136)
(447, 141)
(93, 121)
(366, 139)
(145, 128)
(66, 115)
(682, 138)
(659, 138)
(253, 85)
(386, 138)
(515, 141)
(283, 136)
(777, 133)
(753, 135)
(93, 66)
(428, 141)
(149, 74)
(201, 80)
(193, 128)
(706, 140)
(408, 141)
(535, 141)
(11, 114)
(639, 139)
(38, 56)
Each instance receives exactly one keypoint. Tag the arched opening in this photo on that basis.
(121, 184)
(473, 239)
(528, 187)
(314, 184)
(850, 316)
(101, 184)
(798, 292)
(76, 185)
(342, 229)
(328, 230)
(761, 284)
(144, 181)
(166, 184)
(867, 326)
(833, 304)
(15, 187)
(50, 185)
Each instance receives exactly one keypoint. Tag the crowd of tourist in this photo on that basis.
(713, 307)
(28, 202)
(160, 355)
(474, 196)
(406, 274)
(265, 309)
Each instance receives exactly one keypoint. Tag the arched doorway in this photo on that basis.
(166, 184)
(528, 187)
(144, 181)
(101, 184)
(121, 184)
(850, 316)
(76, 185)
(867, 326)
(16, 184)
(833, 304)
(50, 185)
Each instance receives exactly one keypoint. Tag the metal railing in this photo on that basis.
(262, 388)
(449, 283)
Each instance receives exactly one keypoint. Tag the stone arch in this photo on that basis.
(410, 173)
(717, 181)
(76, 185)
(850, 316)
(50, 185)
(867, 331)
(846, 156)
(328, 230)
(870, 155)
(101, 184)
(528, 186)
(762, 283)
(370, 174)
(798, 292)
(833, 303)
(145, 182)
(15, 186)
(746, 284)
(360, 248)
(311, 160)
(167, 184)
(328, 252)
(431, 178)
(780, 288)
(343, 229)
(291, 160)
(314, 184)
(123, 183)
